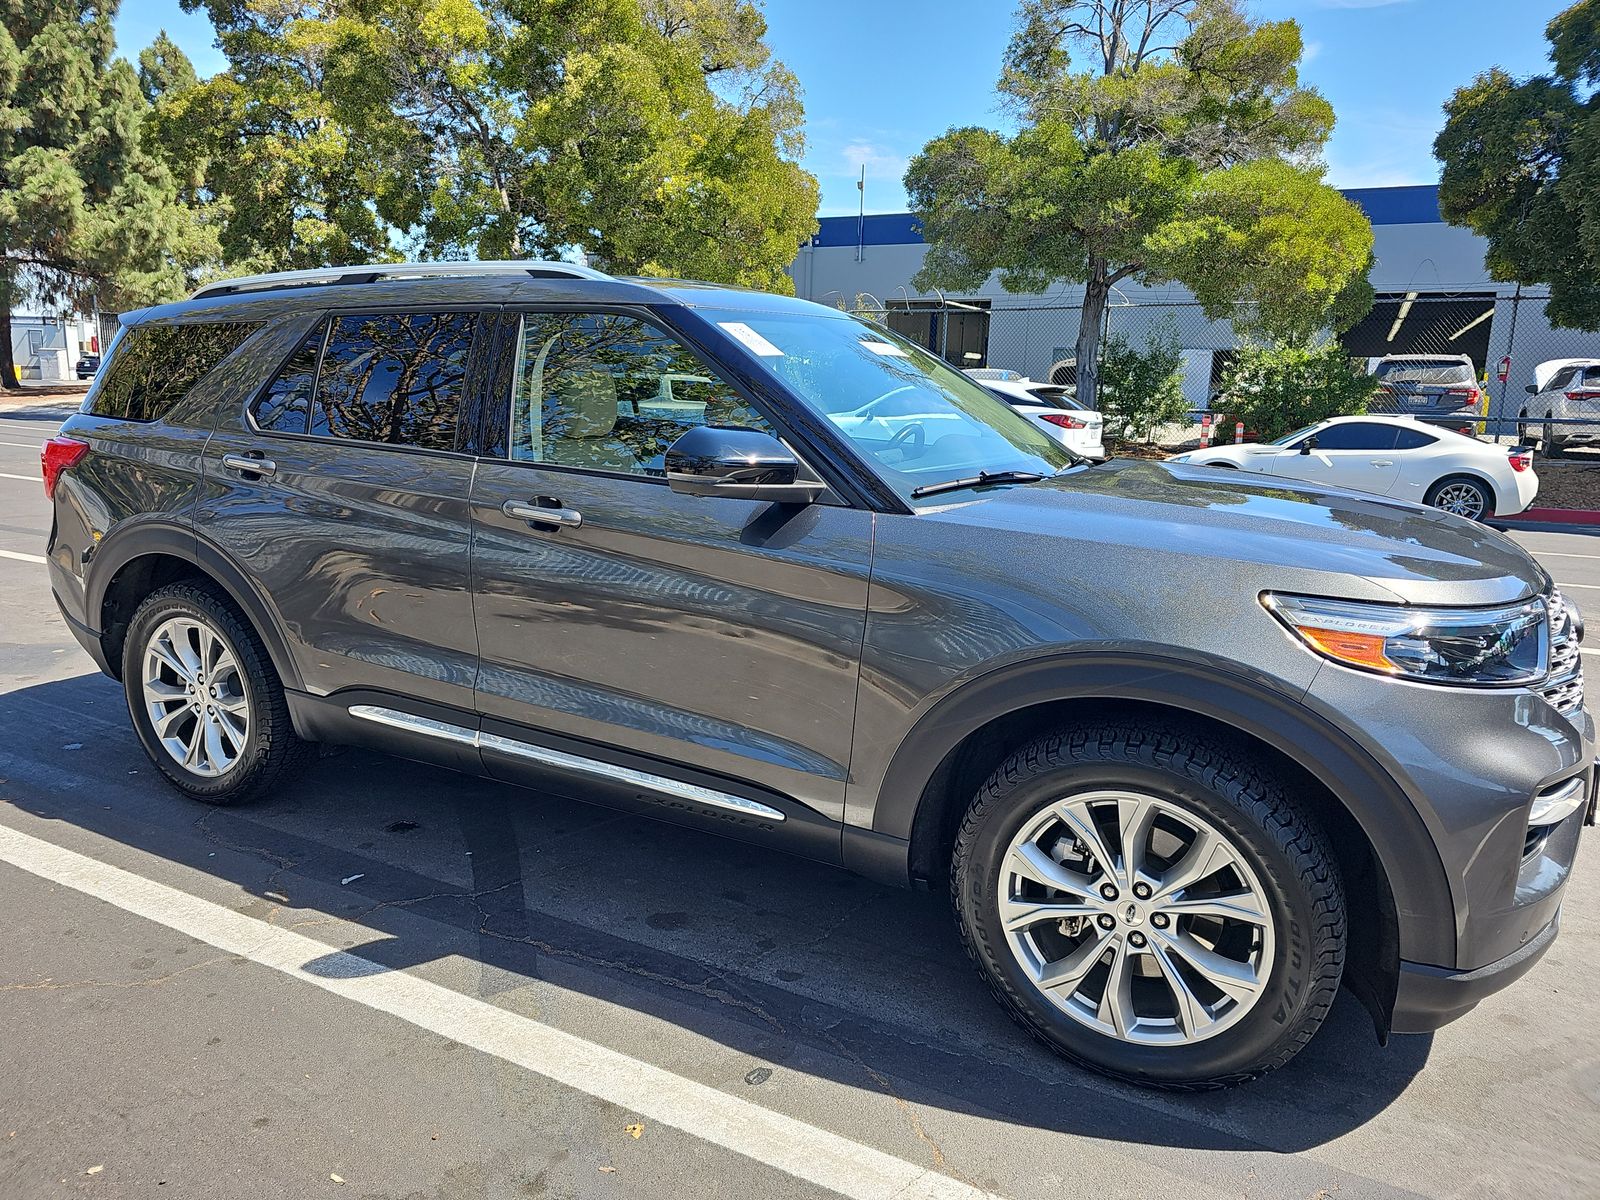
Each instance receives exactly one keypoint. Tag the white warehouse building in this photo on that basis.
(1434, 297)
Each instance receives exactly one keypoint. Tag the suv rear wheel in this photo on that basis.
(204, 698)
(1151, 904)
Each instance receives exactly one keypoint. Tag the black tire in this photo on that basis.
(1456, 485)
(1225, 785)
(272, 753)
(1548, 443)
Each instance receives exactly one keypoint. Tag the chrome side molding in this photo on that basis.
(661, 784)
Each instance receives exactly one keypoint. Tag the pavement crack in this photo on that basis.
(55, 985)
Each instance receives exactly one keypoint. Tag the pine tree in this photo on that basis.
(85, 211)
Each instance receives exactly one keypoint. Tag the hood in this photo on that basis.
(1401, 552)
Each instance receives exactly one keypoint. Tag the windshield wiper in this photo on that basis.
(981, 479)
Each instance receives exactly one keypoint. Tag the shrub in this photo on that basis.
(1140, 389)
(1276, 389)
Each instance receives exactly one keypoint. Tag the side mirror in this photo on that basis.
(745, 464)
(1532, 389)
(1310, 444)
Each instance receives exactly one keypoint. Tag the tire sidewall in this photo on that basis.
(150, 616)
(1258, 1036)
(1449, 481)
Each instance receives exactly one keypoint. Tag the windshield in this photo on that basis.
(1289, 437)
(918, 421)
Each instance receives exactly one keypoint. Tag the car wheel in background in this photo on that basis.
(1461, 495)
(205, 699)
(1150, 902)
(1547, 443)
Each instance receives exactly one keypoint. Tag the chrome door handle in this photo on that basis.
(247, 464)
(537, 514)
(1383, 462)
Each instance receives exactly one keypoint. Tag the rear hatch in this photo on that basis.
(1426, 387)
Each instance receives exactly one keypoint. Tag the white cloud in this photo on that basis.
(1309, 52)
(881, 163)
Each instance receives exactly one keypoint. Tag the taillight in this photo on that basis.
(1467, 396)
(1584, 395)
(1521, 460)
(1064, 421)
(60, 453)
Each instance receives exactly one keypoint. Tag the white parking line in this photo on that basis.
(34, 446)
(26, 478)
(637, 1087)
(1592, 587)
(1559, 554)
(20, 557)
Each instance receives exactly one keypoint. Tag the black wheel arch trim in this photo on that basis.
(1425, 902)
(122, 546)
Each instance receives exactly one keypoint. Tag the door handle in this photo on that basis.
(543, 514)
(1383, 462)
(250, 464)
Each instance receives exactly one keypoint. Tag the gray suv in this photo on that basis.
(1189, 748)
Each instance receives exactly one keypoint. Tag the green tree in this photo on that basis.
(1277, 387)
(1522, 168)
(86, 212)
(1141, 388)
(1156, 141)
(656, 136)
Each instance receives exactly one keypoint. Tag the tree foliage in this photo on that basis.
(86, 212)
(657, 136)
(1278, 387)
(1141, 387)
(1158, 141)
(1522, 168)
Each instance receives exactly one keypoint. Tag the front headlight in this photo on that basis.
(1484, 646)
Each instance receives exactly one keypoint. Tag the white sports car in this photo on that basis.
(1392, 456)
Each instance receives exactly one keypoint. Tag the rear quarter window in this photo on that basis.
(154, 366)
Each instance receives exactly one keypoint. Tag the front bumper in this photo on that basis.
(1431, 997)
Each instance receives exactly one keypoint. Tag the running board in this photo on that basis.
(459, 734)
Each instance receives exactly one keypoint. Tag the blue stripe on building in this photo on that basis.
(1413, 205)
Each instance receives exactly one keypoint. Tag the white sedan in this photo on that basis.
(1392, 456)
(1055, 410)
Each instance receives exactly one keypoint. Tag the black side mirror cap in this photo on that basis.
(1532, 389)
(739, 463)
(1310, 444)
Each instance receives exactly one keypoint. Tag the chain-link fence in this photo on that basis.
(1491, 353)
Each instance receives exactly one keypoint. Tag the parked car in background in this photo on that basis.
(1186, 750)
(1393, 456)
(88, 365)
(1570, 392)
(1434, 387)
(1054, 409)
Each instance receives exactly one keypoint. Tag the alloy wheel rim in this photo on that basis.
(195, 696)
(1462, 499)
(1136, 918)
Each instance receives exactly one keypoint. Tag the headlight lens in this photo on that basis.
(1483, 646)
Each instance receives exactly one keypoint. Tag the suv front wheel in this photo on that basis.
(204, 697)
(1151, 904)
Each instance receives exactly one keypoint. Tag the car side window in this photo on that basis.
(154, 366)
(1413, 439)
(1356, 435)
(1591, 377)
(285, 407)
(611, 393)
(396, 378)
(1560, 379)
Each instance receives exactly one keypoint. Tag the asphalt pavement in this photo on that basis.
(392, 981)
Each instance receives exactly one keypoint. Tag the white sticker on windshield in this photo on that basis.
(888, 349)
(756, 343)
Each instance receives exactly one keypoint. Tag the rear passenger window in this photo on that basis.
(1356, 435)
(285, 407)
(155, 366)
(394, 377)
(1413, 439)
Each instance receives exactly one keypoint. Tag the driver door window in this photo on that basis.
(610, 393)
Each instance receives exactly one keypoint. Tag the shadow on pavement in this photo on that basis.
(795, 964)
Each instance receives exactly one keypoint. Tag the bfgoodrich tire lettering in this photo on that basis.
(262, 750)
(1265, 842)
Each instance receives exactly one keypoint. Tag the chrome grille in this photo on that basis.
(1564, 686)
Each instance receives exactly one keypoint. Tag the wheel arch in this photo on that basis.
(127, 568)
(1390, 862)
(1471, 473)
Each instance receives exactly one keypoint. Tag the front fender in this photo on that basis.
(1213, 688)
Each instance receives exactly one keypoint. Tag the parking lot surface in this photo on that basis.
(392, 981)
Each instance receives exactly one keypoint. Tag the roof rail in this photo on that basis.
(334, 276)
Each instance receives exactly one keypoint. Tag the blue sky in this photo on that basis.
(883, 77)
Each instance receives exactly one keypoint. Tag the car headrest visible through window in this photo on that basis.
(580, 403)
